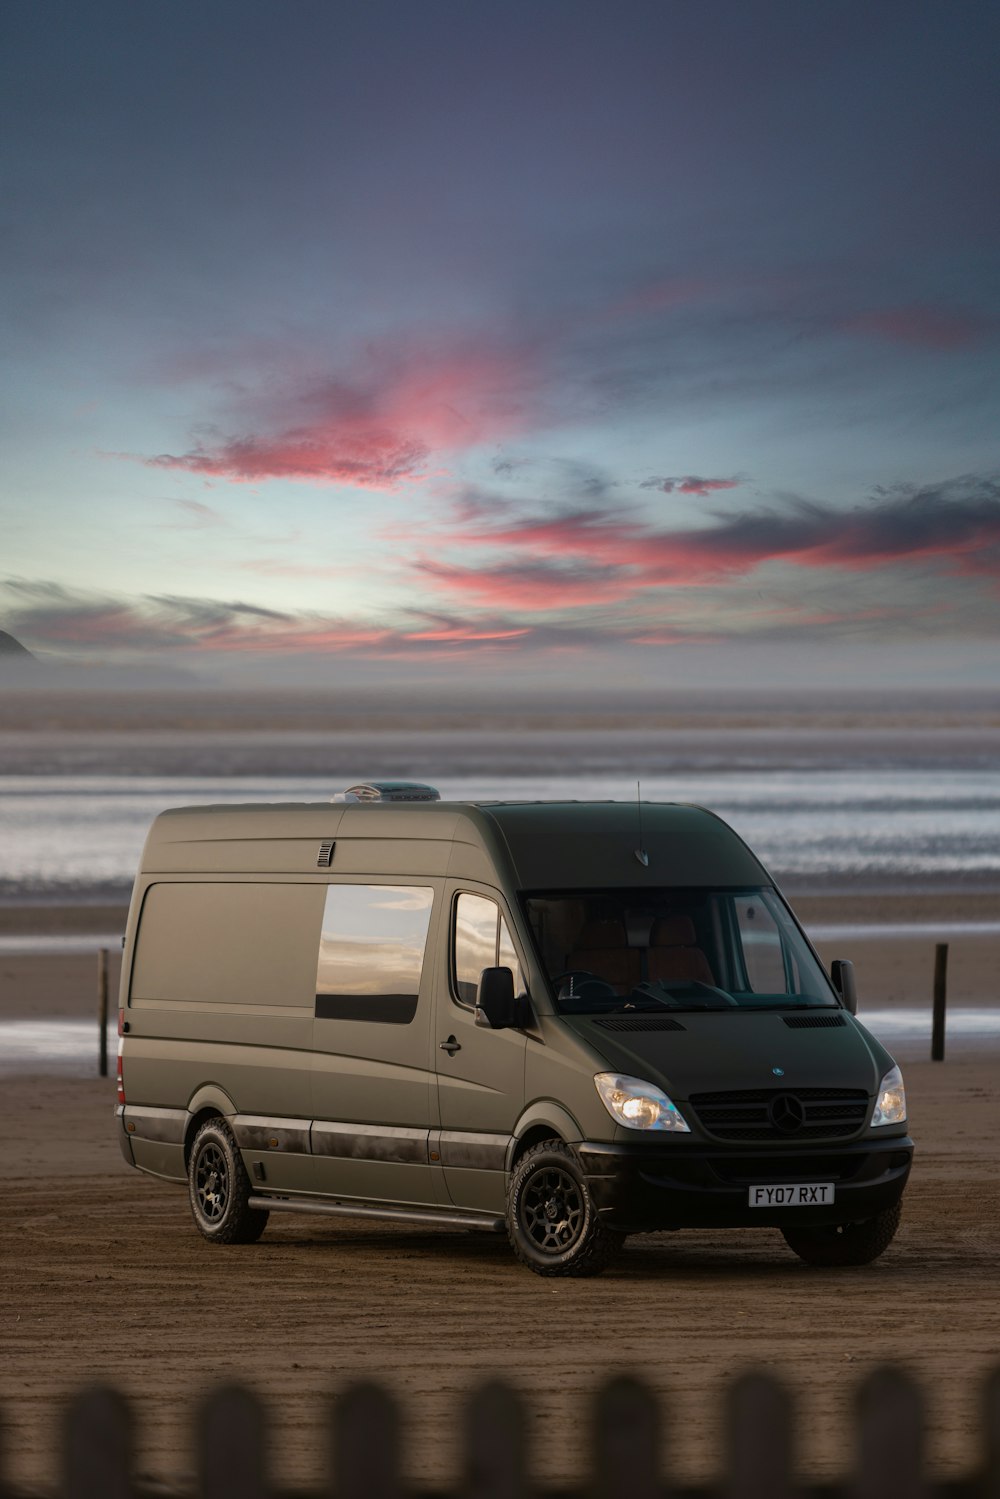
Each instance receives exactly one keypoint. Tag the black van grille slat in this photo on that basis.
(813, 1022)
(828, 1113)
(640, 1023)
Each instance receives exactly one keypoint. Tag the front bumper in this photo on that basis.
(656, 1184)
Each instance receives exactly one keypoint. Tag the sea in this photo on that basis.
(845, 810)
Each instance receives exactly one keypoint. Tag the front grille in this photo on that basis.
(640, 1023)
(826, 1113)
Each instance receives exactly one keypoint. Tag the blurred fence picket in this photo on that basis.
(231, 1445)
(97, 1447)
(625, 1439)
(890, 1428)
(759, 1445)
(366, 1451)
(991, 1437)
(495, 1454)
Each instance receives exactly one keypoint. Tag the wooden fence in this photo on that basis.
(365, 1450)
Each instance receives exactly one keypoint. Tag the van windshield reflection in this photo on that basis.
(629, 950)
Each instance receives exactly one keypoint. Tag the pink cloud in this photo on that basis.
(59, 619)
(378, 429)
(532, 587)
(465, 633)
(954, 527)
(926, 327)
(690, 484)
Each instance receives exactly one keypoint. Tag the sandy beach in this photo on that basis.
(107, 1280)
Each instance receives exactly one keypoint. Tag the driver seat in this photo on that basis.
(673, 957)
(602, 949)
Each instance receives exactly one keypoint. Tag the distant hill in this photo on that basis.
(11, 649)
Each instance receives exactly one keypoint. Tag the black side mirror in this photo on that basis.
(496, 1006)
(842, 973)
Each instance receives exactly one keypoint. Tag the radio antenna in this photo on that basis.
(640, 852)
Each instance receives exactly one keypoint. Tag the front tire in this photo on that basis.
(552, 1222)
(219, 1188)
(845, 1243)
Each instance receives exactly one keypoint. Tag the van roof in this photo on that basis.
(534, 845)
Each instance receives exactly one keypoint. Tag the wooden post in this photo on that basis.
(940, 1001)
(102, 1011)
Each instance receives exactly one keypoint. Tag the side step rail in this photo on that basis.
(442, 1217)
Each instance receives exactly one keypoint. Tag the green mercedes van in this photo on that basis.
(569, 1022)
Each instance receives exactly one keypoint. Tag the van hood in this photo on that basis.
(715, 1051)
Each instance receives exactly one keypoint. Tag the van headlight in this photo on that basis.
(639, 1105)
(890, 1105)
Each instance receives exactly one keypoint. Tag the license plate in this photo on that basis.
(792, 1195)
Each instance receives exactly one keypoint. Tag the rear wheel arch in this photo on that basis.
(208, 1103)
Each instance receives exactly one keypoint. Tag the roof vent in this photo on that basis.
(388, 791)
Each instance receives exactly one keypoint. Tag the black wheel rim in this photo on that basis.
(211, 1183)
(552, 1210)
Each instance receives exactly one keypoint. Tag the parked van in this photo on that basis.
(566, 1021)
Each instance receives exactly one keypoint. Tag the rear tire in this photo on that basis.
(552, 1222)
(845, 1243)
(219, 1188)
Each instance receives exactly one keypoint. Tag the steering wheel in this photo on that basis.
(575, 973)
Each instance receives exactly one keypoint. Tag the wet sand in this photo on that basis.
(105, 1277)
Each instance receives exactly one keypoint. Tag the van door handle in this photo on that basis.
(450, 1046)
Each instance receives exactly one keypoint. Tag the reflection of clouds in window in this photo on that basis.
(406, 900)
(349, 965)
(373, 939)
(475, 942)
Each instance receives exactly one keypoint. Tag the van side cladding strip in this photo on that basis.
(254, 1132)
(474, 1152)
(167, 1126)
(370, 1142)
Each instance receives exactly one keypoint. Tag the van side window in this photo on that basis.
(371, 952)
(481, 941)
(761, 945)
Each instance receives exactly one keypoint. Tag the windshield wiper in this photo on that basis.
(686, 995)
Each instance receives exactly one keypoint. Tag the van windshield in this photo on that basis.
(675, 949)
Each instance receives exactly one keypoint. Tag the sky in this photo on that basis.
(553, 343)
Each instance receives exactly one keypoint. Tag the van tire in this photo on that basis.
(219, 1188)
(845, 1243)
(552, 1221)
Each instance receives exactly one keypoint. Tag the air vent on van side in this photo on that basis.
(325, 856)
(813, 1022)
(640, 1023)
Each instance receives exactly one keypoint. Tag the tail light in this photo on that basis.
(120, 1079)
(121, 1022)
